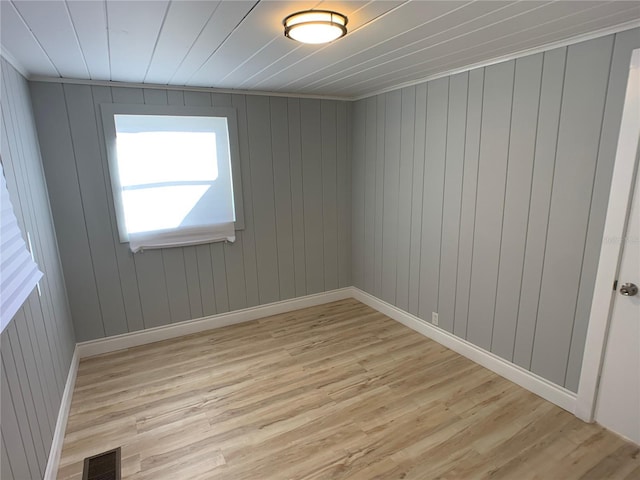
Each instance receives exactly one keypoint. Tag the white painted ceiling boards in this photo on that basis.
(240, 44)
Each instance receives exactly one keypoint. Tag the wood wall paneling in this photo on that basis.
(473, 129)
(492, 173)
(295, 169)
(407, 133)
(542, 183)
(432, 196)
(392, 118)
(37, 346)
(583, 99)
(510, 178)
(452, 199)
(367, 246)
(522, 138)
(417, 192)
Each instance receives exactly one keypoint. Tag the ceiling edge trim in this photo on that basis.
(583, 37)
(154, 86)
(11, 60)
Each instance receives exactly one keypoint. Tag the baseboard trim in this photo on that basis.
(63, 414)
(518, 375)
(165, 332)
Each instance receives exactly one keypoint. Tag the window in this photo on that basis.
(19, 273)
(172, 174)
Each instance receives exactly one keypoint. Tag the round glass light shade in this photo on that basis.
(315, 26)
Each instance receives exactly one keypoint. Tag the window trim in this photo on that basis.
(109, 110)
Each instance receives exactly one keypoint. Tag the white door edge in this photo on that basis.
(622, 183)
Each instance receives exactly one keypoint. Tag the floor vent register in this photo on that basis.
(104, 466)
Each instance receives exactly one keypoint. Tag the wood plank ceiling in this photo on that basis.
(240, 44)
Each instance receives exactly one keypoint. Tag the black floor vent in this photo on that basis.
(104, 466)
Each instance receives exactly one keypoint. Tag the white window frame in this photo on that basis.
(110, 110)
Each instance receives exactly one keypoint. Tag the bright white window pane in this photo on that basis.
(174, 175)
(160, 208)
(155, 157)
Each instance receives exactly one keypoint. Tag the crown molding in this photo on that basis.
(185, 88)
(11, 60)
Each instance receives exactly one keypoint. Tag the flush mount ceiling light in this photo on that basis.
(315, 26)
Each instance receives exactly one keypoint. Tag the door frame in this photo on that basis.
(622, 183)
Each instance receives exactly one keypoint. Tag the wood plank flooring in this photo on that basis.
(338, 391)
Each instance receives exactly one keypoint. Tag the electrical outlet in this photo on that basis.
(434, 318)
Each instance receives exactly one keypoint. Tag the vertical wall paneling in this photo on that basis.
(358, 193)
(228, 261)
(24, 183)
(37, 346)
(123, 257)
(407, 133)
(28, 397)
(294, 169)
(33, 392)
(228, 275)
(176, 277)
(381, 113)
(21, 456)
(248, 235)
(193, 281)
(524, 121)
(343, 185)
(368, 250)
(587, 74)
(261, 159)
(205, 280)
(417, 192)
(282, 195)
(14, 398)
(434, 171)
(5, 467)
(452, 198)
(312, 190)
(393, 115)
(53, 304)
(79, 103)
(511, 172)
(473, 129)
(494, 146)
(70, 226)
(538, 220)
(297, 195)
(328, 116)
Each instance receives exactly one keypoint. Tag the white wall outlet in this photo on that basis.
(434, 318)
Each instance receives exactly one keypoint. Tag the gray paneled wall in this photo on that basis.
(38, 344)
(296, 178)
(482, 196)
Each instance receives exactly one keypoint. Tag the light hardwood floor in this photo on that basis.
(338, 391)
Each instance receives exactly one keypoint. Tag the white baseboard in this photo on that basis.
(532, 382)
(61, 424)
(526, 379)
(165, 332)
